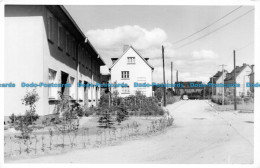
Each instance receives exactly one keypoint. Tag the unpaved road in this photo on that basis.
(200, 135)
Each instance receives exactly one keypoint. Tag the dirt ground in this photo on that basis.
(200, 135)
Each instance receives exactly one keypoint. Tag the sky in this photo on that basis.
(147, 28)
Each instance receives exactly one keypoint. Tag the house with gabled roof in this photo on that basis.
(131, 68)
(50, 48)
(219, 78)
(242, 78)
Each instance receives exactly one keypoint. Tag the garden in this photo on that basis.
(73, 126)
(244, 103)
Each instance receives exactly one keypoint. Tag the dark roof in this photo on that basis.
(136, 53)
(218, 75)
(187, 84)
(238, 70)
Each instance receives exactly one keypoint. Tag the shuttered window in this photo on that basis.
(60, 36)
(50, 28)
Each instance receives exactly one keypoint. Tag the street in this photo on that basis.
(199, 135)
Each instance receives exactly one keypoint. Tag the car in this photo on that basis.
(185, 97)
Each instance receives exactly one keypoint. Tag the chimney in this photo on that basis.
(253, 68)
(114, 60)
(125, 47)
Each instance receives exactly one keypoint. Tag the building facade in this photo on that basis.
(182, 88)
(44, 44)
(131, 67)
(219, 79)
(242, 78)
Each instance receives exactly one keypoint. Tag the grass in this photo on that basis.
(41, 142)
(246, 107)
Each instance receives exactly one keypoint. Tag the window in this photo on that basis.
(74, 46)
(142, 90)
(81, 91)
(72, 88)
(125, 74)
(50, 30)
(60, 36)
(131, 60)
(52, 79)
(68, 43)
(125, 90)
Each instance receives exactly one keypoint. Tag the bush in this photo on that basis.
(133, 104)
(105, 120)
(12, 118)
(121, 114)
(227, 100)
(24, 123)
(218, 100)
(248, 100)
(88, 111)
(172, 99)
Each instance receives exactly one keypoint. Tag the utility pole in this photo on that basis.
(171, 74)
(177, 90)
(223, 89)
(235, 89)
(164, 91)
(203, 92)
(177, 76)
(212, 86)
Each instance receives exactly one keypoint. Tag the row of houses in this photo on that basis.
(186, 88)
(244, 75)
(43, 43)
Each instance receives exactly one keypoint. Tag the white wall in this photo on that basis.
(242, 79)
(219, 90)
(138, 72)
(23, 55)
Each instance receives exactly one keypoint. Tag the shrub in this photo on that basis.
(248, 100)
(133, 104)
(172, 99)
(105, 120)
(227, 100)
(12, 118)
(24, 123)
(67, 120)
(88, 111)
(121, 114)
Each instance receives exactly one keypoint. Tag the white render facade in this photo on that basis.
(219, 80)
(243, 78)
(131, 68)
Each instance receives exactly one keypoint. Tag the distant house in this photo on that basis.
(187, 89)
(252, 78)
(218, 79)
(44, 44)
(242, 77)
(131, 67)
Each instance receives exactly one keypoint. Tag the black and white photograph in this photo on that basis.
(130, 83)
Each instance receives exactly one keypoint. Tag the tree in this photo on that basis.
(122, 113)
(24, 123)
(105, 120)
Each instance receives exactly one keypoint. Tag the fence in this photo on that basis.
(53, 143)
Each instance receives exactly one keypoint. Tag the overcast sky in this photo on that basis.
(148, 27)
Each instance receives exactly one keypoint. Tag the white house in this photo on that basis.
(131, 68)
(242, 77)
(44, 44)
(219, 78)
